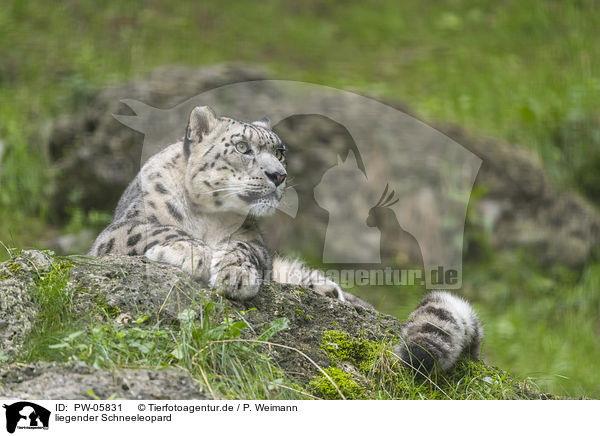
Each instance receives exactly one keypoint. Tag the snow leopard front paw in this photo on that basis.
(237, 282)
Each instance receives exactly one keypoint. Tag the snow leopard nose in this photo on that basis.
(276, 177)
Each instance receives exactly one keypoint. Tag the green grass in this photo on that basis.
(525, 72)
(541, 324)
(224, 369)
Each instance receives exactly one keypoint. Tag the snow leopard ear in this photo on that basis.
(264, 122)
(202, 121)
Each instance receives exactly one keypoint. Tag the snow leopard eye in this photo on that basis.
(280, 154)
(243, 147)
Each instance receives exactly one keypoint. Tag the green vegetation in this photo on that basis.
(325, 389)
(363, 369)
(53, 296)
(341, 348)
(520, 71)
(206, 342)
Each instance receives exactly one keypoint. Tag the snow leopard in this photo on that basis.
(196, 205)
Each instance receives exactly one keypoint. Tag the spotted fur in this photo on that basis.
(194, 205)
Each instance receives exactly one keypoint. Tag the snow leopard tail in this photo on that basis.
(438, 331)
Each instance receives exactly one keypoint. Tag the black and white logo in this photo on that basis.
(26, 415)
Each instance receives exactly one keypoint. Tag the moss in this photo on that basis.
(302, 315)
(101, 304)
(323, 388)
(341, 347)
(358, 356)
(13, 266)
(299, 291)
(112, 311)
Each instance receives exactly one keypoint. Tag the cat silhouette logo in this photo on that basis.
(26, 415)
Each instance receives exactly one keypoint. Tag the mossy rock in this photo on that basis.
(319, 340)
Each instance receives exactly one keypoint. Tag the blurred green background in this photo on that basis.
(524, 72)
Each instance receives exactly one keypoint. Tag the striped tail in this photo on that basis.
(438, 331)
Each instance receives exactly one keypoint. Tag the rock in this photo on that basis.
(134, 286)
(526, 210)
(97, 156)
(68, 381)
(18, 309)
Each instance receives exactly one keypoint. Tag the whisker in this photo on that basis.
(246, 191)
(222, 189)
